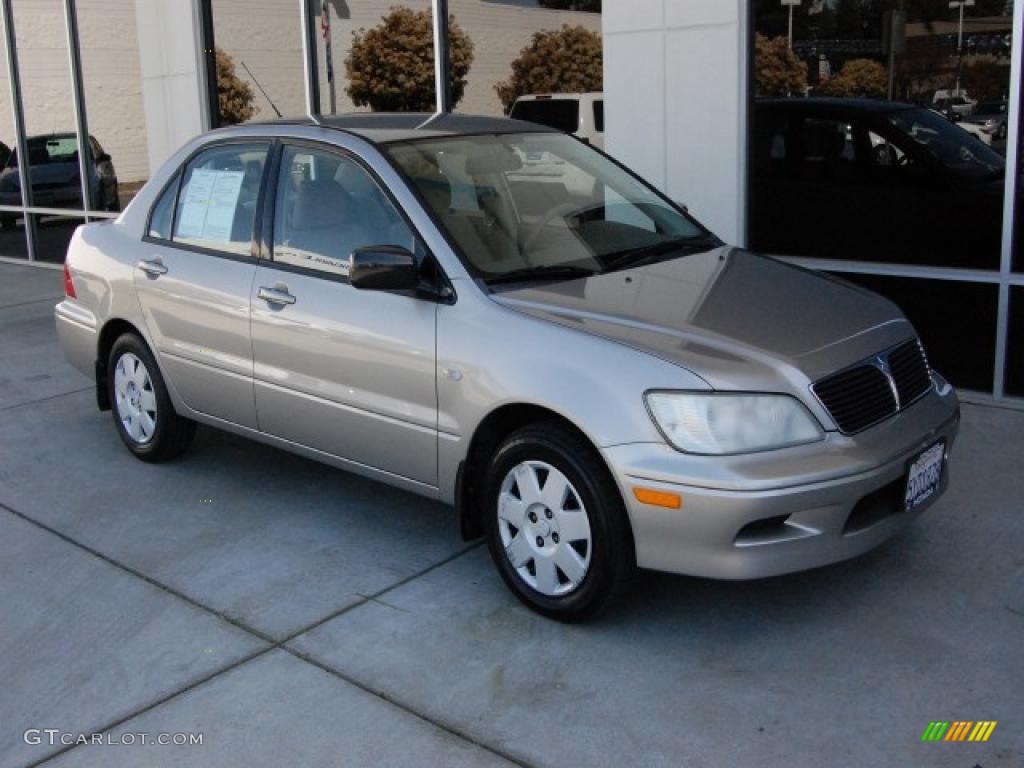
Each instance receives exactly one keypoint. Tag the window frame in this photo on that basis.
(269, 212)
(178, 177)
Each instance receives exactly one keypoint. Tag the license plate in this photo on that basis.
(924, 476)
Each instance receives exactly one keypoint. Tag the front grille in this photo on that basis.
(909, 368)
(876, 389)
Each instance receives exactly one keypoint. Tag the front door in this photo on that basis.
(344, 371)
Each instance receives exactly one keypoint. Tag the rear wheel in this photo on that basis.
(557, 528)
(142, 409)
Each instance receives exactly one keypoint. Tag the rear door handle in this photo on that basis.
(153, 267)
(278, 295)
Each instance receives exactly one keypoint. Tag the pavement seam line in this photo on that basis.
(271, 644)
(45, 399)
(29, 303)
(383, 696)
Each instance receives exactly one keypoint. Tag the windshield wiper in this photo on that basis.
(635, 257)
(541, 272)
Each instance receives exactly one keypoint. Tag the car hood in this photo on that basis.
(736, 319)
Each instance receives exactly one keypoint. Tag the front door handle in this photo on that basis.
(278, 295)
(153, 267)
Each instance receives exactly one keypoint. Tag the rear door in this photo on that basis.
(195, 276)
(341, 370)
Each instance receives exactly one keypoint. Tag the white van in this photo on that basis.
(581, 114)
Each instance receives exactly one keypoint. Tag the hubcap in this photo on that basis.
(135, 399)
(544, 528)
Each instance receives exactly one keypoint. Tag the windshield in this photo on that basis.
(542, 205)
(950, 145)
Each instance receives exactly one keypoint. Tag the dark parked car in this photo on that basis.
(873, 181)
(55, 176)
(990, 119)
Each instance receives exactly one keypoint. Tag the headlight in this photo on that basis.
(709, 423)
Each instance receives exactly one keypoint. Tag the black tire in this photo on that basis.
(172, 434)
(612, 556)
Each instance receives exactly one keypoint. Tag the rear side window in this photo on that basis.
(217, 199)
(560, 114)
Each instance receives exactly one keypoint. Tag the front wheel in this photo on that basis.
(142, 409)
(557, 528)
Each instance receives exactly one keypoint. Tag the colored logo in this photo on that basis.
(958, 730)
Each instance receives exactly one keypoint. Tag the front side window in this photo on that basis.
(533, 204)
(217, 202)
(327, 206)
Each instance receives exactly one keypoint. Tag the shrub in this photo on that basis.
(566, 60)
(234, 95)
(777, 70)
(391, 66)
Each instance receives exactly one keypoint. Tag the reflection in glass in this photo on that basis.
(12, 237)
(955, 320)
(259, 59)
(112, 84)
(52, 235)
(866, 153)
(1015, 352)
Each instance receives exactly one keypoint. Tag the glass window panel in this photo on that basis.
(259, 44)
(52, 236)
(956, 322)
(112, 85)
(53, 151)
(12, 236)
(1015, 352)
(919, 177)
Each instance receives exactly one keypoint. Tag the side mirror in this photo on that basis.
(383, 268)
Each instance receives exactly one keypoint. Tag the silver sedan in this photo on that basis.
(498, 316)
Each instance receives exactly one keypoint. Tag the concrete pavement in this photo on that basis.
(294, 614)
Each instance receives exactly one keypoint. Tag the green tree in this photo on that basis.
(859, 78)
(777, 70)
(567, 60)
(234, 95)
(390, 67)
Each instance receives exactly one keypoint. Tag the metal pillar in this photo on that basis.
(442, 58)
(19, 123)
(78, 101)
(1011, 183)
(309, 59)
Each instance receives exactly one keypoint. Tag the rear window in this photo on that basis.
(560, 114)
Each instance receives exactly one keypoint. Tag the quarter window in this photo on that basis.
(160, 220)
(217, 203)
(326, 207)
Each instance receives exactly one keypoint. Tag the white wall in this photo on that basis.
(675, 101)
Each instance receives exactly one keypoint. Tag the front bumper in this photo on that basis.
(745, 517)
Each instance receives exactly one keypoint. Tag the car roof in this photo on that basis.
(387, 127)
(823, 103)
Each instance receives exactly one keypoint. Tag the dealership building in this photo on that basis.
(908, 202)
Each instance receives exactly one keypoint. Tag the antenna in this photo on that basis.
(272, 105)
